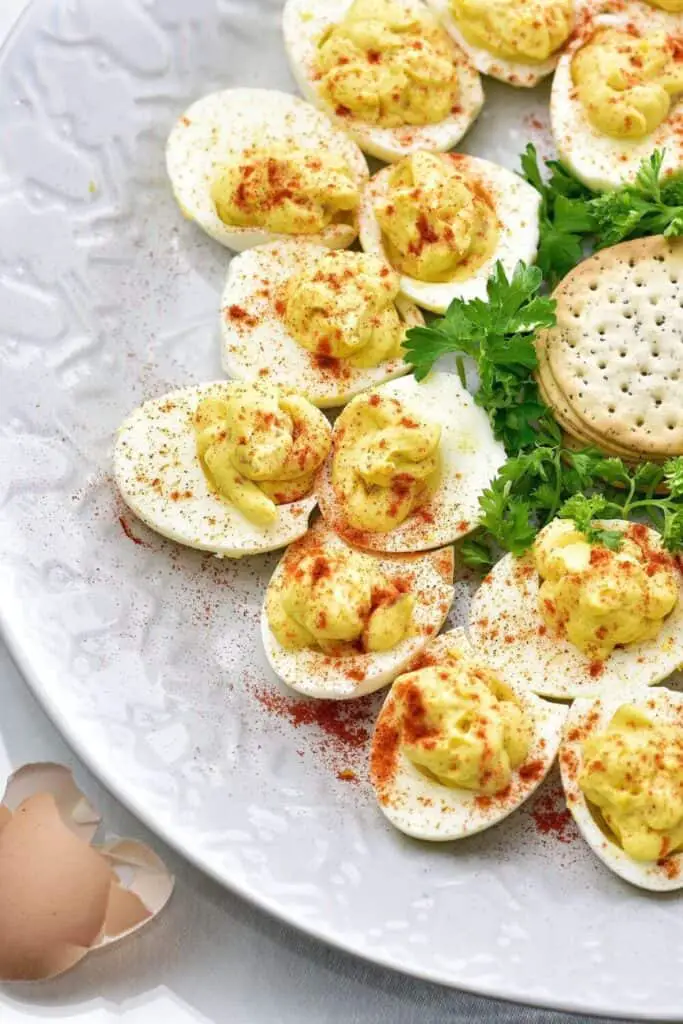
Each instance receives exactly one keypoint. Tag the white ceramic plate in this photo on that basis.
(146, 655)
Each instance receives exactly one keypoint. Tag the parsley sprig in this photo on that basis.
(498, 335)
(573, 219)
(548, 482)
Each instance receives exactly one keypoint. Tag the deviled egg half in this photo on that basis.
(617, 94)
(573, 619)
(328, 324)
(224, 467)
(408, 464)
(385, 70)
(456, 748)
(443, 220)
(338, 623)
(253, 165)
(622, 770)
(517, 42)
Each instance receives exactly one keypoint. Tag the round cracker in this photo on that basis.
(616, 350)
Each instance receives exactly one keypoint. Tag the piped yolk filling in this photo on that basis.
(462, 726)
(527, 33)
(438, 223)
(387, 66)
(344, 308)
(633, 774)
(627, 82)
(285, 190)
(600, 599)
(386, 462)
(340, 603)
(260, 447)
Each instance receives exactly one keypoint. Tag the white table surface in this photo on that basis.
(210, 957)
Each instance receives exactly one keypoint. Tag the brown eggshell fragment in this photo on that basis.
(76, 812)
(144, 892)
(54, 892)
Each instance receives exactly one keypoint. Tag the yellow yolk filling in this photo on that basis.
(344, 308)
(387, 66)
(386, 462)
(599, 598)
(626, 83)
(527, 32)
(340, 603)
(260, 447)
(633, 772)
(673, 6)
(438, 223)
(288, 191)
(462, 725)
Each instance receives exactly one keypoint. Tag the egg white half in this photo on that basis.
(259, 346)
(587, 718)
(598, 160)
(513, 72)
(303, 23)
(162, 481)
(329, 678)
(517, 205)
(227, 123)
(505, 625)
(470, 459)
(424, 808)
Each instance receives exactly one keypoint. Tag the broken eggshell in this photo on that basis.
(61, 897)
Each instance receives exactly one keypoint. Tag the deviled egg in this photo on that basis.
(572, 618)
(338, 623)
(385, 70)
(622, 770)
(516, 41)
(617, 94)
(456, 748)
(328, 324)
(253, 165)
(408, 464)
(443, 220)
(224, 467)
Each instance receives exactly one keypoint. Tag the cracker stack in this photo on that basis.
(612, 368)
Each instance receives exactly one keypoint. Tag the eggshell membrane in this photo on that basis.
(258, 346)
(587, 718)
(203, 520)
(517, 204)
(60, 897)
(506, 627)
(147, 890)
(227, 123)
(598, 160)
(316, 674)
(424, 808)
(470, 459)
(513, 72)
(303, 23)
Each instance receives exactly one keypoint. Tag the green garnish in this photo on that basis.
(541, 480)
(546, 483)
(499, 336)
(573, 218)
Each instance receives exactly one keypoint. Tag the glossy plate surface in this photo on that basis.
(147, 655)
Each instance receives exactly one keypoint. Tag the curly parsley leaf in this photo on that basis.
(585, 511)
(498, 335)
(564, 216)
(572, 217)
